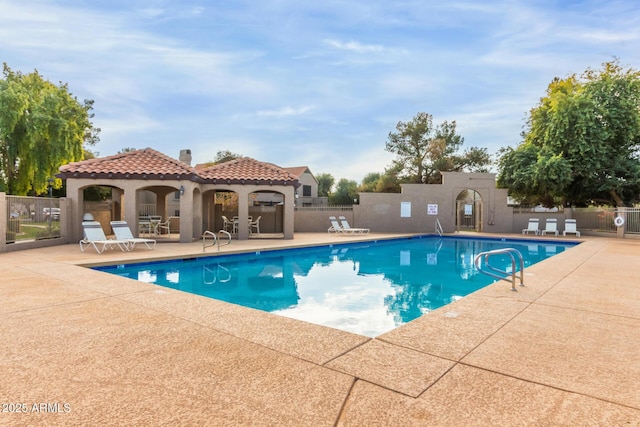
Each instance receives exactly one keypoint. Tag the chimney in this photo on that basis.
(185, 156)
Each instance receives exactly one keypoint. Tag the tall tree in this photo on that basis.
(223, 156)
(424, 150)
(582, 141)
(325, 183)
(42, 126)
(346, 193)
(370, 182)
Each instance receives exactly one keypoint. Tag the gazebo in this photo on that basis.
(131, 172)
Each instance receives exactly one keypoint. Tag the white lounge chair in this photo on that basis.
(348, 228)
(94, 236)
(532, 226)
(123, 233)
(335, 225)
(570, 227)
(551, 226)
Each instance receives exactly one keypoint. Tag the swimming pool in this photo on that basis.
(367, 287)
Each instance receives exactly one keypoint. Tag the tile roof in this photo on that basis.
(139, 164)
(247, 169)
(297, 171)
(151, 164)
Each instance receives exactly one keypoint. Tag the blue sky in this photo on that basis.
(318, 84)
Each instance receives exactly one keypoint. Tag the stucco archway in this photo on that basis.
(469, 215)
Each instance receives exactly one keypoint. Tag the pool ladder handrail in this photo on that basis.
(438, 227)
(216, 239)
(497, 273)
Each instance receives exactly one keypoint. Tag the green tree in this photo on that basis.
(325, 184)
(42, 126)
(345, 194)
(582, 142)
(126, 150)
(424, 150)
(226, 156)
(370, 182)
(223, 156)
(389, 182)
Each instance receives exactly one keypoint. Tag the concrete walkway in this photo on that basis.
(81, 347)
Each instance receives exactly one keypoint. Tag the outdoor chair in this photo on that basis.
(532, 226)
(255, 225)
(335, 226)
(347, 227)
(94, 236)
(165, 226)
(123, 233)
(227, 224)
(551, 226)
(570, 227)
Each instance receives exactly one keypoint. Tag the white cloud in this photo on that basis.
(314, 84)
(356, 47)
(285, 112)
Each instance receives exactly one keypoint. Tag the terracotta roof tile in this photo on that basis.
(297, 171)
(146, 163)
(246, 169)
(151, 164)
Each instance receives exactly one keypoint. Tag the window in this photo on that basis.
(306, 191)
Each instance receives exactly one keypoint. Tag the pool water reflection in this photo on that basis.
(365, 288)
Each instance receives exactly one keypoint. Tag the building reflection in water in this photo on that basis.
(363, 288)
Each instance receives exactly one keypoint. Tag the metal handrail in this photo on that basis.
(216, 239)
(438, 227)
(497, 273)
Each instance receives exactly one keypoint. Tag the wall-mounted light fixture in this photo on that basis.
(182, 190)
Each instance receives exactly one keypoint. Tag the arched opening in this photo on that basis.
(219, 208)
(266, 213)
(102, 203)
(469, 211)
(158, 212)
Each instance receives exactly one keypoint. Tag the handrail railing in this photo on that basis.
(497, 273)
(212, 275)
(438, 227)
(216, 239)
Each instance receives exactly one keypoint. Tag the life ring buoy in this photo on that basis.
(618, 221)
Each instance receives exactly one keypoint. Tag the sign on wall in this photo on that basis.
(405, 209)
(432, 209)
(468, 209)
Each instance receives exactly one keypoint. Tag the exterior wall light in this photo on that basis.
(182, 190)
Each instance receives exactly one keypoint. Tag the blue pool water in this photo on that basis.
(366, 288)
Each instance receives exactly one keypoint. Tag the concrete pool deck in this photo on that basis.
(81, 347)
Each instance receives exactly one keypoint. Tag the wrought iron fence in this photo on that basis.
(32, 218)
(602, 219)
(337, 208)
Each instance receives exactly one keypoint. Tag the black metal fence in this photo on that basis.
(32, 218)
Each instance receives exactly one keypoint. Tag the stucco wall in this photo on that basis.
(382, 212)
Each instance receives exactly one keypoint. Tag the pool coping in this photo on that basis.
(399, 375)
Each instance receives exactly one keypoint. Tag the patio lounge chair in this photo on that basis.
(123, 233)
(94, 236)
(533, 226)
(570, 227)
(335, 225)
(551, 226)
(347, 227)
